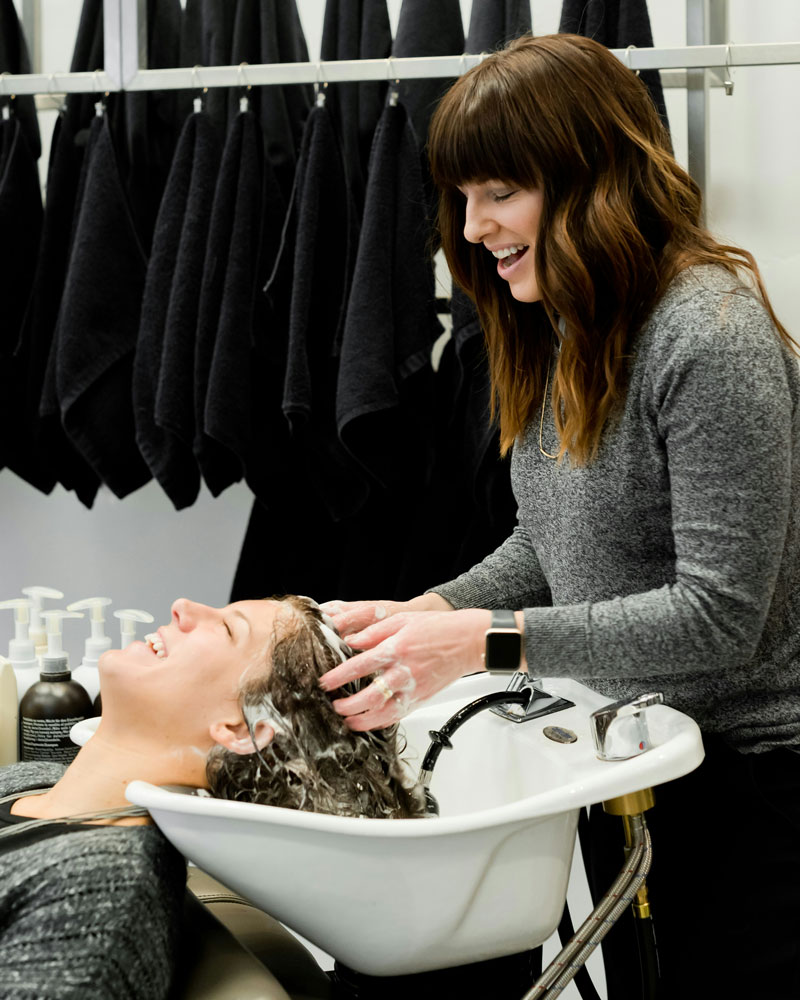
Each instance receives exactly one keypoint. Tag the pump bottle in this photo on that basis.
(21, 650)
(38, 632)
(8, 713)
(127, 628)
(52, 706)
(96, 643)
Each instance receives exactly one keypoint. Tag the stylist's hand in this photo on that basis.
(415, 655)
(350, 617)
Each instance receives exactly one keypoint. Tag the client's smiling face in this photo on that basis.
(186, 677)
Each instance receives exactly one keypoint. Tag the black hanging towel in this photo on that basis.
(146, 123)
(14, 58)
(163, 373)
(98, 323)
(207, 40)
(221, 375)
(266, 31)
(384, 395)
(427, 29)
(42, 454)
(21, 225)
(356, 29)
(616, 24)
(322, 242)
(493, 23)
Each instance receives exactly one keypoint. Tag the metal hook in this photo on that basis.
(244, 103)
(391, 76)
(319, 95)
(197, 103)
(727, 82)
(628, 58)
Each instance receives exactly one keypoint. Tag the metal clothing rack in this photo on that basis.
(703, 63)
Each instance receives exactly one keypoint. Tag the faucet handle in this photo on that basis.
(620, 729)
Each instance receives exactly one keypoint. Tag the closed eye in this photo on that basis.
(228, 629)
(503, 197)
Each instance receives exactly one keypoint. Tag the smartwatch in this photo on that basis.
(503, 643)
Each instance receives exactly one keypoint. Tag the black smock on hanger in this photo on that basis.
(163, 373)
(98, 324)
(493, 23)
(616, 24)
(356, 29)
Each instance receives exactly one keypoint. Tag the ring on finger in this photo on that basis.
(384, 688)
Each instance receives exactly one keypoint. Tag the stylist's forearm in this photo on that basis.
(428, 602)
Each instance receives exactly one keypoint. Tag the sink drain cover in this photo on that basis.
(559, 734)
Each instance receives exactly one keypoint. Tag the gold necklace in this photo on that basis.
(541, 420)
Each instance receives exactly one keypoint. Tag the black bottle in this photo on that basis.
(48, 710)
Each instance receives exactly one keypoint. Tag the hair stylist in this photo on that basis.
(651, 398)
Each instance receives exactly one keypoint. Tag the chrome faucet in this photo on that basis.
(620, 730)
(539, 701)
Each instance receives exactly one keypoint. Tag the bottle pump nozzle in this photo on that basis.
(128, 617)
(55, 660)
(37, 630)
(98, 642)
(21, 650)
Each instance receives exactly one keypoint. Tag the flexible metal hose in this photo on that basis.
(602, 918)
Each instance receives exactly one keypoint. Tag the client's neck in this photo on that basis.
(103, 768)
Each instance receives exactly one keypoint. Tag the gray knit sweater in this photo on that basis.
(672, 561)
(87, 916)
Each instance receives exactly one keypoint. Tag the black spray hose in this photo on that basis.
(440, 738)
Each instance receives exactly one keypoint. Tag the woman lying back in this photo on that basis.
(224, 699)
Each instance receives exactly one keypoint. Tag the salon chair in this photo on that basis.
(231, 950)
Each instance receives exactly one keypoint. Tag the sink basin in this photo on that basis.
(487, 878)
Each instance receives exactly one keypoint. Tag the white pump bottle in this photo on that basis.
(128, 617)
(96, 643)
(38, 632)
(21, 651)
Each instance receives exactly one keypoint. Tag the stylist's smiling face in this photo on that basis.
(505, 219)
(198, 661)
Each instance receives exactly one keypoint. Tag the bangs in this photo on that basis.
(480, 132)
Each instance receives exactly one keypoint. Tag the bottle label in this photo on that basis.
(48, 739)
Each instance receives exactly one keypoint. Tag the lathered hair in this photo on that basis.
(620, 219)
(314, 762)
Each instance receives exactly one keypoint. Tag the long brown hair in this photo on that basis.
(620, 219)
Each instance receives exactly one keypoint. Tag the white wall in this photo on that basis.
(142, 553)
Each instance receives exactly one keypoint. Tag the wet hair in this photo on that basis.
(314, 762)
(620, 219)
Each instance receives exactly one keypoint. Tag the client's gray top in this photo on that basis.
(92, 915)
(672, 560)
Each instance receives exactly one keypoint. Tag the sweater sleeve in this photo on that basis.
(721, 400)
(510, 577)
(91, 916)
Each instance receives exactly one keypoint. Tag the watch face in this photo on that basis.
(503, 650)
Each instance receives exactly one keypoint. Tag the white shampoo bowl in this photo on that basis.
(487, 878)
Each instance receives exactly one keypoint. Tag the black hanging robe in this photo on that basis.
(493, 23)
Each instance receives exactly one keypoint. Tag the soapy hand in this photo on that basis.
(414, 655)
(350, 617)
